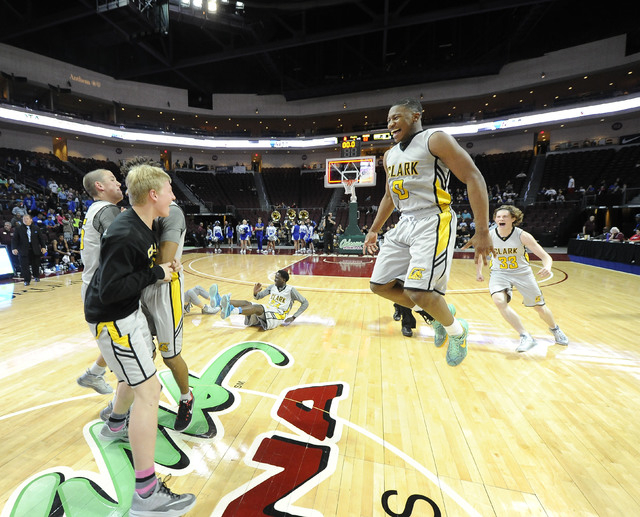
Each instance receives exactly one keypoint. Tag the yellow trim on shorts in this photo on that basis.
(119, 340)
(443, 198)
(444, 231)
(176, 299)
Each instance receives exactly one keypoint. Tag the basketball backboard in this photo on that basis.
(360, 168)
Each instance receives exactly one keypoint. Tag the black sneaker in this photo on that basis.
(397, 315)
(406, 331)
(428, 319)
(185, 412)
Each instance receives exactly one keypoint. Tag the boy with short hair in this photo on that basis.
(112, 309)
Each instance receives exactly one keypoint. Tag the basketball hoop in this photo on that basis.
(349, 188)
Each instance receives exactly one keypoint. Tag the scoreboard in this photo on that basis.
(350, 146)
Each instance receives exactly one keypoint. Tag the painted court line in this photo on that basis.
(48, 404)
(408, 459)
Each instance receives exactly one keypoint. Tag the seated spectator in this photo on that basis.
(6, 234)
(50, 221)
(74, 248)
(18, 212)
(616, 235)
(60, 249)
(604, 235)
(635, 238)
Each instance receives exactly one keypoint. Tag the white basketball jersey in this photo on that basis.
(90, 240)
(280, 300)
(417, 179)
(509, 254)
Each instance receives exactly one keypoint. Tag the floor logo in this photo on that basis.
(294, 461)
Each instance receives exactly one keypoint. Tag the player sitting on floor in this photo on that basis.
(270, 315)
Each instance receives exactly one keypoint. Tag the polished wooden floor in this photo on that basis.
(339, 414)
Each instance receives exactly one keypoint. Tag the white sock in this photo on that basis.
(455, 329)
(185, 396)
(96, 369)
(416, 308)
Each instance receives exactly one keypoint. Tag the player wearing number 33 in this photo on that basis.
(510, 268)
(412, 268)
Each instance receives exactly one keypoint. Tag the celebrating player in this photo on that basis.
(112, 309)
(105, 190)
(419, 250)
(510, 267)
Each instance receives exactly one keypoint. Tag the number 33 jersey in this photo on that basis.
(509, 254)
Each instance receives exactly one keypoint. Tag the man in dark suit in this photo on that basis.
(329, 226)
(30, 244)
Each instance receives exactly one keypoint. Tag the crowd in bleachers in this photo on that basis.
(51, 191)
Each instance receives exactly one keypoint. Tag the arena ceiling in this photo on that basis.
(306, 48)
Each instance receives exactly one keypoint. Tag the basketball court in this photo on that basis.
(339, 414)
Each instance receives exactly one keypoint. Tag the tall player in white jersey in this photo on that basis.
(104, 189)
(413, 266)
(510, 268)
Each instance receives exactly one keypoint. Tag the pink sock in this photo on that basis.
(146, 482)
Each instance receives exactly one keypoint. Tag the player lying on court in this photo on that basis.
(192, 297)
(270, 315)
(510, 268)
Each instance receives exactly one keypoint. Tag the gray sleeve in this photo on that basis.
(105, 217)
(173, 226)
(304, 303)
(263, 293)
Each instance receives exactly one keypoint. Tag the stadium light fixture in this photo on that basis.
(28, 117)
(212, 6)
